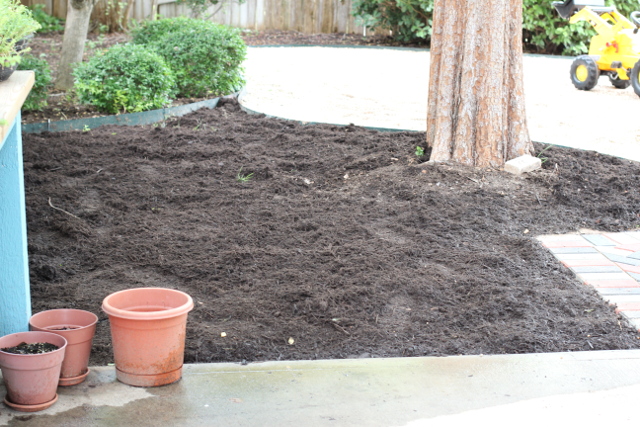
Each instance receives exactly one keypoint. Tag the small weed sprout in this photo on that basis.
(240, 177)
(544, 159)
(419, 151)
(86, 128)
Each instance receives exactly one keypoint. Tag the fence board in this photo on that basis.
(306, 16)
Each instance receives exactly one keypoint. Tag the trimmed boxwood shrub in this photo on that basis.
(205, 57)
(149, 32)
(37, 98)
(125, 78)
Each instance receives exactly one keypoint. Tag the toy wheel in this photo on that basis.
(635, 78)
(584, 73)
(635, 17)
(617, 82)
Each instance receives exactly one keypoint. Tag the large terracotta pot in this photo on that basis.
(78, 327)
(148, 329)
(31, 380)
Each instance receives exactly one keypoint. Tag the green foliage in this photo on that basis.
(48, 23)
(204, 56)
(16, 23)
(149, 32)
(241, 177)
(419, 151)
(409, 20)
(543, 30)
(37, 98)
(128, 78)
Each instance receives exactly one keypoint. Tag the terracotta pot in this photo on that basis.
(31, 379)
(78, 327)
(148, 328)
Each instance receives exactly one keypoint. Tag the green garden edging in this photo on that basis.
(131, 119)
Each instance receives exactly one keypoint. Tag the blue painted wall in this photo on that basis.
(15, 297)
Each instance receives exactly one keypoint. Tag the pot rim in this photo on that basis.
(51, 337)
(111, 310)
(36, 317)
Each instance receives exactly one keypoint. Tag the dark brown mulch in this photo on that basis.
(340, 244)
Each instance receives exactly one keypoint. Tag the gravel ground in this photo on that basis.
(387, 88)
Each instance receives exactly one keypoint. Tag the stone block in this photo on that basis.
(522, 164)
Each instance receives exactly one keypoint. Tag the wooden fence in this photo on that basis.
(306, 16)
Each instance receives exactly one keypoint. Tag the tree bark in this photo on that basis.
(75, 36)
(476, 111)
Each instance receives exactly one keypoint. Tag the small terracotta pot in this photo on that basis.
(78, 327)
(31, 380)
(148, 329)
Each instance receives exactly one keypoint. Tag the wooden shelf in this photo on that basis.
(13, 93)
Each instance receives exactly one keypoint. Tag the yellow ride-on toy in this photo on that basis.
(614, 51)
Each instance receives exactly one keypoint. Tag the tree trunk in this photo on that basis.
(75, 35)
(476, 112)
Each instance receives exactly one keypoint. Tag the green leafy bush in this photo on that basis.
(543, 30)
(128, 78)
(205, 57)
(408, 20)
(37, 98)
(149, 32)
(48, 23)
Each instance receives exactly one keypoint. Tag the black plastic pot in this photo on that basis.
(5, 72)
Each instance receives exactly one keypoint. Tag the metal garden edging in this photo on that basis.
(131, 119)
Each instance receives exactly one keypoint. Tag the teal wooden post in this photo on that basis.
(15, 296)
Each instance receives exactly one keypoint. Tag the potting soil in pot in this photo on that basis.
(31, 348)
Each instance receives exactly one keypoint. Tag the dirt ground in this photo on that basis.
(318, 241)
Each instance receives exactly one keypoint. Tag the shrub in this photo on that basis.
(543, 30)
(152, 31)
(127, 78)
(409, 20)
(47, 22)
(37, 98)
(205, 57)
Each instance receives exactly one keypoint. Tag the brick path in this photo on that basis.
(610, 262)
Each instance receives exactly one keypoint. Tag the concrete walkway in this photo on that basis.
(388, 88)
(570, 389)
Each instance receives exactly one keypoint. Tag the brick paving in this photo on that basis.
(610, 262)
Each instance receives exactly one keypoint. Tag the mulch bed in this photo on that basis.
(341, 243)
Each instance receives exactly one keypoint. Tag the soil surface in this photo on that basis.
(32, 348)
(318, 241)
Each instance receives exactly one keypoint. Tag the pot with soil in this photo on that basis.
(78, 327)
(148, 329)
(31, 363)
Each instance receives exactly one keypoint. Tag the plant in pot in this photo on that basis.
(78, 327)
(30, 364)
(16, 25)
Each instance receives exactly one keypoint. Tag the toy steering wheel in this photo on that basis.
(635, 17)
